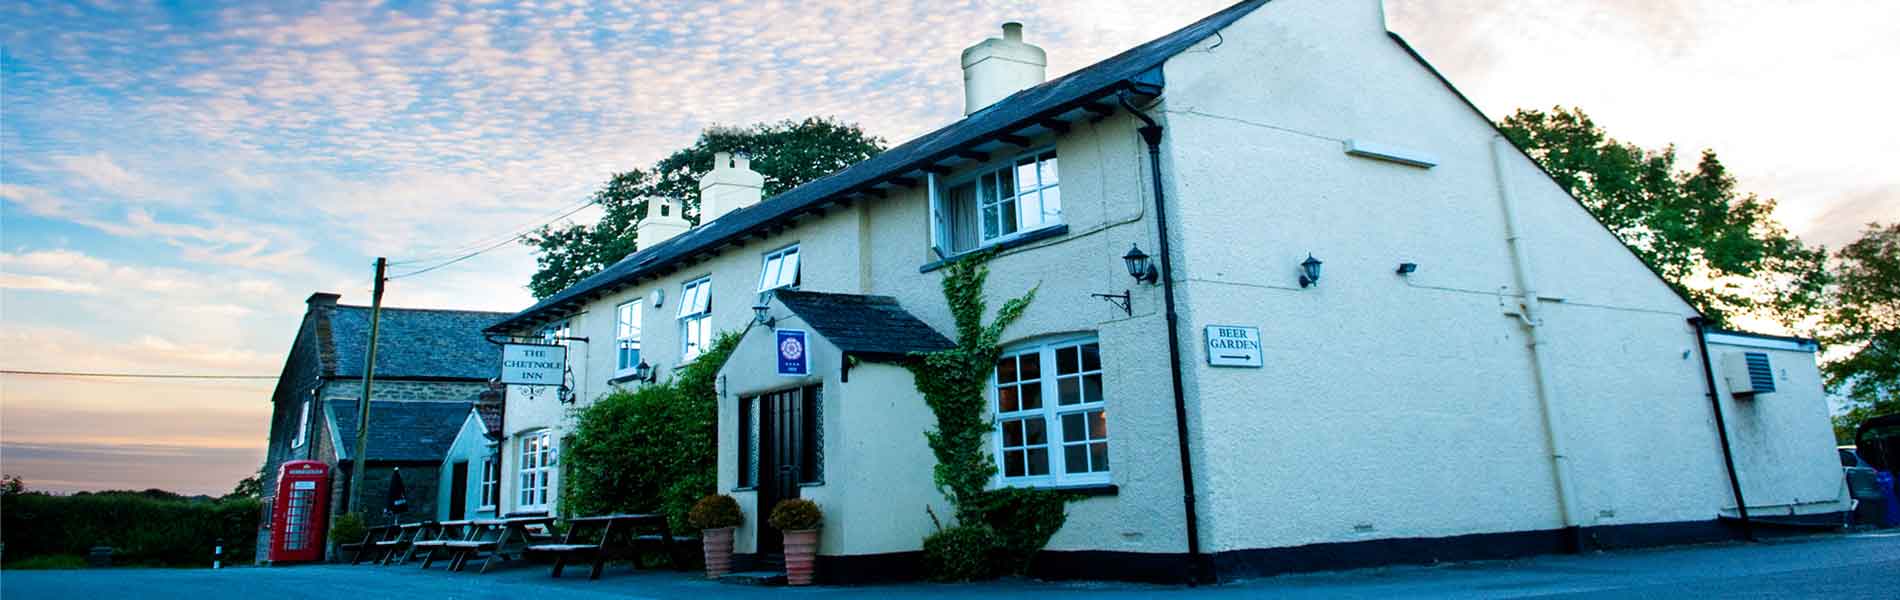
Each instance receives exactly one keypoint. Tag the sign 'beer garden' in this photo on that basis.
(533, 364)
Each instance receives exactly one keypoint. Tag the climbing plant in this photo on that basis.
(997, 530)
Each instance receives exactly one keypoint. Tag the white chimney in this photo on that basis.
(730, 186)
(663, 221)
(995, 68)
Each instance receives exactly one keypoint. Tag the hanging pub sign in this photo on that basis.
(794, 356)
(533, 364)
(1233, 346)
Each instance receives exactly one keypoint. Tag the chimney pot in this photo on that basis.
(1013, 31)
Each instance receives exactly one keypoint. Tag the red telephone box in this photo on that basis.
(300, 515)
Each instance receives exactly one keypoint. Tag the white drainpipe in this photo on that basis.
(1540, 339)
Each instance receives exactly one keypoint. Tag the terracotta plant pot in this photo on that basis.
(801, 556)
(718, 546)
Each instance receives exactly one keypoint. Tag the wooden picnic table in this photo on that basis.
(399, 544)
(371, 536)
(637, 529)
(499, 538)
(434, 539)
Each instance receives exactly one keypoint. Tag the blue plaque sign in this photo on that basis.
(794, 356)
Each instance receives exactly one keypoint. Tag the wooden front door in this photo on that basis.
(458, 491)
(782, 451)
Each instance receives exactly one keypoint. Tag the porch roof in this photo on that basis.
(871, 326)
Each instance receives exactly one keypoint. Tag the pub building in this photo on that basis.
(1299, 305)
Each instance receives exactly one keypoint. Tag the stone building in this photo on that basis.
(431, 368)
(1298, 305)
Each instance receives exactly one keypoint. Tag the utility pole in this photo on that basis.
(360, 462)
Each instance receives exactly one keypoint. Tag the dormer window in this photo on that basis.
(996, 203)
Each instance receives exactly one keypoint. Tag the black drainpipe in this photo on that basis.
(1152, 135)
(1721, 424)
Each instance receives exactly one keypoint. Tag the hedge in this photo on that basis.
(141, 529)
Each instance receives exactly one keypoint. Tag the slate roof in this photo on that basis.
(402, 431)
(414, 343)
(1018, 111)
(864, 325)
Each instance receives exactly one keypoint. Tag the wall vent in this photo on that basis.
(1748, 374)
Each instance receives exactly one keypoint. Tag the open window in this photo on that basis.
(995, 203)
(695, 318)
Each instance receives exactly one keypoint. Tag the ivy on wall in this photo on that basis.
(997, 531)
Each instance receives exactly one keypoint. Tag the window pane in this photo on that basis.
(1008, 216)
(1031, 396)
(1035, 432)
(1068, 391)
(1031, 211)
(1098, 457)
(1092, 387)
(1013, 463)
(1073, 429)
(990, 229)
(1006, 399)
(1038, 461)
(1075, 459)
(1091, 357)
(1048, 171)
(1006, 369)
(1032, 366)
(1066, 361)
(768, 277)
(1007, 186)
(788, 274)
(1012, 434)
(1098, 425)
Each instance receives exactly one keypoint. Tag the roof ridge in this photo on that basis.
(409, 309)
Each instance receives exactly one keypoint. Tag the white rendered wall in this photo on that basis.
(471, 446)
(1406, 406)
(1783, 441)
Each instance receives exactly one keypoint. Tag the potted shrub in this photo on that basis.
(798, 519)
(716, 516)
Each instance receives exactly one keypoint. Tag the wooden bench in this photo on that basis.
(499, 538)
(370, 537)
(398, 544)
(592, 538)
(445, 532)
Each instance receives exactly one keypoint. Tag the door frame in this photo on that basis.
(780, 468)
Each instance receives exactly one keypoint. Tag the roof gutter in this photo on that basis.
(1151, 134)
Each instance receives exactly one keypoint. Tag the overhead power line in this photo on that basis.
(493, 241)
(133, 375)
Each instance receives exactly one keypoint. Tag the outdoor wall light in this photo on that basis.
(1309, 271)
(1139, 266)
(762, 313)
(1407, 268)
(644, 372)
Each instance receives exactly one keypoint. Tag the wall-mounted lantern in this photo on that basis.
(1139, 266)
(762, 313)
(644, 372)
(1406, 268)
(1309, 271)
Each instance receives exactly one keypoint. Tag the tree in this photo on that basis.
(787, 153)
(1864, 313)
(1723, 250)
(249, 487)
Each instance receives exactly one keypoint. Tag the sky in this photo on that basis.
(175, 178)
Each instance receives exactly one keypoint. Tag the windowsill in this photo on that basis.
(1080, 489)
(748, 488)
(623, 378)
(1015, 242)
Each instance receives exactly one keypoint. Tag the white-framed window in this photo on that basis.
(303, 426)
(557, 333)
(627, 336)
(781, 269)
(490, 482)
(1051, 415)
(534, 468)
(997, 203)
(695, 318)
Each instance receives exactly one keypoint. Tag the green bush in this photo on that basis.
(1024, 519)
(142, 529)
(797, 514)
(964, 553)
(716, 511)
(348, 528)
(649, 449)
